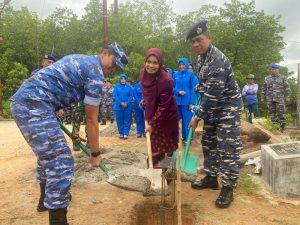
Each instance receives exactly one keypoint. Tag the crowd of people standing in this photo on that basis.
(161, 98)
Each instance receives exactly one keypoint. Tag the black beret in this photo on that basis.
(49, 56)
(197, 29)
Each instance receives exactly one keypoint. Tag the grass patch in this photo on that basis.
(246, 185)
(267, 124)
(6, 109)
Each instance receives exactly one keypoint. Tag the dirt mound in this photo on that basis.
(112, 130)
(124, 164)
(255, 133)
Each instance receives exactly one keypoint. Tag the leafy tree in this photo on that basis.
(16, 77)
(251, 39)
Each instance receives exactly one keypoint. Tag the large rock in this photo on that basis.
(255, 133)
(281, 168)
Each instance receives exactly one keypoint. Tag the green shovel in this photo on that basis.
(111, 177)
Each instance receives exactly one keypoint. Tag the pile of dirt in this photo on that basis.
(124, 164)
(112, 130)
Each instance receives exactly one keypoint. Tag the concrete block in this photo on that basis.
(281, 167)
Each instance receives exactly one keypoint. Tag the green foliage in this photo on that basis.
(246, 184)
(267, 124)
(13, 79)
(6, 111)
(251, 39)
(133, 68)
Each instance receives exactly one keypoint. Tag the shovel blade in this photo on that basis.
(154, 175)
(189, 165)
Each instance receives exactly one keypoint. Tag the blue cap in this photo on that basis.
(275, 66)
(119, 53)
(50, 57)
(197, 29)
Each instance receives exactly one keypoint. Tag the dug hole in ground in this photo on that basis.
(96, 202)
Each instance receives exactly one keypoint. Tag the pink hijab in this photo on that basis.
(151, 83)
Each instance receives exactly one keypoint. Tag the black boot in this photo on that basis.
(206, 182)
(40, 206)
(225, 197)
(58, 216)
(112, 121)
(103, 122)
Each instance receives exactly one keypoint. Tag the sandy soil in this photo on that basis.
(99, 203)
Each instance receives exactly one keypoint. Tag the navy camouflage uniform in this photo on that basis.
(72, 79)
(220, 109)
(107, 103)
(275, 89)
(77, 118)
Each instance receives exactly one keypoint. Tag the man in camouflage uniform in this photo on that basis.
(72, 79)
(46, 61)
(68, 114)
(77, 119)
(220, 109)
(276, 91)
(107, 103)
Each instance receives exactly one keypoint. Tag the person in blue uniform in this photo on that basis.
(196, 80)
(123, 94)
(72, 79)
(138, 111)
(184, 84)
(220, 109)
(47, 60)
(170, 71)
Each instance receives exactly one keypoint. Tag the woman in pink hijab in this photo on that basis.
(160, 106)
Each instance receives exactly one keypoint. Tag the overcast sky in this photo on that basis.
(288, 9)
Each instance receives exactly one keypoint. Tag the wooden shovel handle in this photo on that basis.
(149, 150)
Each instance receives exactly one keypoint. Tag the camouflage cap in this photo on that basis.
(250, 76)
(119, 53)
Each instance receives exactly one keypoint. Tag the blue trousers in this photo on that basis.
(139, 120)
(253, 108)
(124, 119)
(55, 164)
(186, 115)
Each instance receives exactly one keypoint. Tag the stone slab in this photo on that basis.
(281, 167)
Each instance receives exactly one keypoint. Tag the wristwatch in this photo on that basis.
(95, 154)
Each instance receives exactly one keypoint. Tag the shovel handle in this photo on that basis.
(149, 150)
(85, 149)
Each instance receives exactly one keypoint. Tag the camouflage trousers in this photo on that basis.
(55, 164)
(221, 143)
(276, 112)
(107, 112)
(77, 119)
(68, 113)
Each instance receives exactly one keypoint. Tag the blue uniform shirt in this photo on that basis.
(137, 93)
(184, 81)
(71, 79)
(122, 93)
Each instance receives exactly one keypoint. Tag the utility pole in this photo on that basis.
(298, 97)
(116, 7)
(2, 6)
(105, 24)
